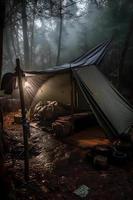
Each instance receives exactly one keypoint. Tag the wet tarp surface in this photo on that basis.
(110, 108)
(92, 57)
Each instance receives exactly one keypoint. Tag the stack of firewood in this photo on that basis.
(62, 126)
(65, 125)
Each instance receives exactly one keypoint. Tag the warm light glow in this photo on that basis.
(30, 85)
(26, 84)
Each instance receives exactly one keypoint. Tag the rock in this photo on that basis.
(119, 158)
(82, 191)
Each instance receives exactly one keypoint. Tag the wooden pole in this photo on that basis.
(75, 96)
(72, 100)
(72, 97)
(19, 73)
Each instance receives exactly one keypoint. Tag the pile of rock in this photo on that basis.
(101, 156)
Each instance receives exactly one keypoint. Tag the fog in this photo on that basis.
(84, 25)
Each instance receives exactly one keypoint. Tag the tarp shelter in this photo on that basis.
(112, 111)
(58, 80)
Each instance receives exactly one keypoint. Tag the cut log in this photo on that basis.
(100, 162)
(62, 128)
(67, 129)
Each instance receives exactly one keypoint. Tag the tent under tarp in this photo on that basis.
(57, 80)
(112, 111)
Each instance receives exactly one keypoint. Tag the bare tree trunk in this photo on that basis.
(60, 34)
(13, 42)
(95, 2)
(25, 35)
(32, 35)
(16, 28)
(50, 57)
(2, 20)
(124, 51)
(8, 46)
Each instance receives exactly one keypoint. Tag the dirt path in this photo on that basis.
(57, 169)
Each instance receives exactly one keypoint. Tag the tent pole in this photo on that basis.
(72, 99)
(75, 96)
(19, 73)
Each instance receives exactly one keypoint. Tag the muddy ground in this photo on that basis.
(58, 168)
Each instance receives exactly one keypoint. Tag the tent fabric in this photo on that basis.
(101, 118)
(92, 57)
(111, 109)
(57, 88)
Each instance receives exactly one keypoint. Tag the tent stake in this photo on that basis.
(19, 74)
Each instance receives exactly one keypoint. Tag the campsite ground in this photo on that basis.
(58, 168)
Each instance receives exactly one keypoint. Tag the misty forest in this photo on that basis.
(66, 115)
(48, 33)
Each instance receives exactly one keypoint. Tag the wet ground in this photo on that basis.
(57, 169)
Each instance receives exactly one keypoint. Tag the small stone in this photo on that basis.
(82, 191)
